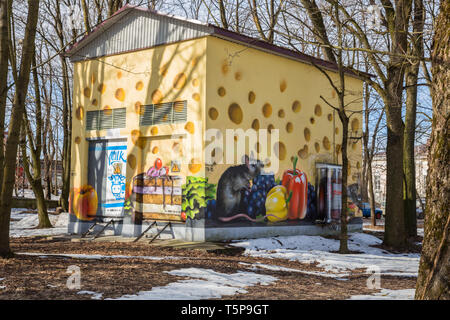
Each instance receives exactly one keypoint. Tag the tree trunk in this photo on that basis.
(5, 251)
(65, 189)
(320, 31)
(36, 186)
(18, 108)
(87, 24)
(113, 6)
(433, 281)
(371, 194)
(3, 78)
(395, 233)
(41, 205)
(343, 246)
(409, 191)
(35, 178)
(223, 14)
(412, 75)
(365, 171)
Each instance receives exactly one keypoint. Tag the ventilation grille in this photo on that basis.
(106, 119)
(163, 113)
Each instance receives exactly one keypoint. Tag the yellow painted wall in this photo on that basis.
(288, 92)
(211, 73)
(161, 74)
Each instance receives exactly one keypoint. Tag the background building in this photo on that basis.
(379, 176)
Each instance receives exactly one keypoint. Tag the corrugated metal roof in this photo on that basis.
(130, 30)
(134, 28)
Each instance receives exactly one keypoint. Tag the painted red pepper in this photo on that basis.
(296, 183)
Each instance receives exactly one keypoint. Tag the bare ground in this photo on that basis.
(45, 277)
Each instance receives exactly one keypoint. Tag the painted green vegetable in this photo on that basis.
(196, 194)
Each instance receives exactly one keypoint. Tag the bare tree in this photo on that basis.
(434, 269)
(411, 80)
(335, 55)
(66, 112)
(33, 174)
(3, 79)
(390, 88)
(272, 11)
(319, 29)
(18, 108)
(113, 6)
(369, 151)
(87, 23)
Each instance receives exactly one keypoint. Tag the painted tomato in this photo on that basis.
(183, 215)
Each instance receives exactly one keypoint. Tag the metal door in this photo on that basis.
(107, 174)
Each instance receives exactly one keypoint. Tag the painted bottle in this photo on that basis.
(336, 184)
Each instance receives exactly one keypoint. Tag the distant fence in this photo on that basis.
(29, 203)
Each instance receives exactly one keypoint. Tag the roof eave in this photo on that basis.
(288, 53)
(86, 39)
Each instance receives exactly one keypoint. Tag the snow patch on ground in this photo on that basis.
(368, 222)
(258, 265)
(29, 193)
(386, 294)
(420, 232)
(24, 224)
(316, 249)
(95, 295)
(206, 284)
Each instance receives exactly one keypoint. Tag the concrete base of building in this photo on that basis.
(76, 226)
(174, 231)
(197, 230)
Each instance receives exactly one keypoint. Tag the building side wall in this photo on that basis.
(249, 88)
(167, 73)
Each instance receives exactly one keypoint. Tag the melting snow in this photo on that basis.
(258, 265)
(206, 284)
(95, 295)
(386, 294)
(312, 249)
(23, 224)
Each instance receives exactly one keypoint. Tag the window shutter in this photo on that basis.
(146, 117)
(91, 120)
(105, 119)
(179, 111)
(120, 118)
(163, 113)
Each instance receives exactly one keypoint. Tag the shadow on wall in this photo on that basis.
(100, 78)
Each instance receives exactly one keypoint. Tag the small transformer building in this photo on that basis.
(163, 106)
